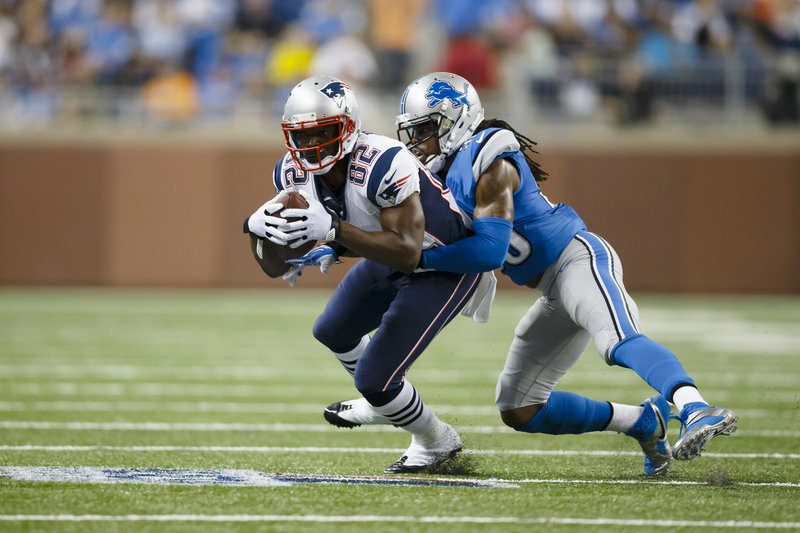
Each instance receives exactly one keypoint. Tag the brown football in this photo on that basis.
(292, 200)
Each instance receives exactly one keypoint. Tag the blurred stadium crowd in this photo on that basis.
(207, 62)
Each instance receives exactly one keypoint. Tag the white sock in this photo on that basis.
(623, 417)
(408, 412)
(349, 359)
(686, 394)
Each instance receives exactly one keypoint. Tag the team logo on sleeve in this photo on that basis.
(335, 91)
(442, 90)
(393, 189)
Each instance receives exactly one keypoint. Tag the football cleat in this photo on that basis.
(421, 458)
(699, 424)
(353, 413)
(657, 453)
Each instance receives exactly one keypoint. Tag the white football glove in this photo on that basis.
(316, 226)
(264, 225)
(322, 256)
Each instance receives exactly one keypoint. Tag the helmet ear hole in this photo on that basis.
(446, 125)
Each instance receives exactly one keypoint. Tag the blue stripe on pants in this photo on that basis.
(603, 271)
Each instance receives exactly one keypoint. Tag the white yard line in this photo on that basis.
(18, 389)
(25, 370)
(140, 406)
(281, 427)
(219, 407)
(319, 449)
(404, 519)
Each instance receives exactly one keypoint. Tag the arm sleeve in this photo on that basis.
(482, 252)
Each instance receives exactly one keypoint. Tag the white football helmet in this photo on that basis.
(441, 104)
(320, 122)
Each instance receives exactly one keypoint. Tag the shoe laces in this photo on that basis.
(683, 424)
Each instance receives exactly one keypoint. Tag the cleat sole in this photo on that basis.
(691, 445)
(400, 467)
(336, 420)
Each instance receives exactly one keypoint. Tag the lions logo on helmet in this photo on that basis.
(433, 100)
(441, 90)
(335, 91)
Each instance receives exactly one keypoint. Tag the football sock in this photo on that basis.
(644, 426)
(686, 394)
(407, 411)
(654, 363)
(623, 417)
(350, 358)
(567, 412)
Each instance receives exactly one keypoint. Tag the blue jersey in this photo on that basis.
(541, 229)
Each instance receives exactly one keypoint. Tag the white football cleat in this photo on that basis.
(429, 451)
(353, 413)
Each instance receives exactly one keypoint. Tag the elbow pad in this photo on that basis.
(482, 252)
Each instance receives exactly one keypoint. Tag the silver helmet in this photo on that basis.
(320, 122)
(439, 104)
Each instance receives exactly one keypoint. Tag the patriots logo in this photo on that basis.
(442, 90)
(393, 189)
(390, 193)
(335, 91)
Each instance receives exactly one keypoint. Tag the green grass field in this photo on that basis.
(233, 380)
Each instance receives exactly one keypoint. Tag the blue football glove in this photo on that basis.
(322, 256)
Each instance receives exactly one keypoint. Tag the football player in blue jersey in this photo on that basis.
(488, 166)
(370, 196)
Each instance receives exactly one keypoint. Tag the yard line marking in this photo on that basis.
(311, 428)
(17, 388)
(648, 482)
(139, 406)
(254, 478)
(248, 370)
(319, 449)
(224, 477)
(750, 524)
(225, 407)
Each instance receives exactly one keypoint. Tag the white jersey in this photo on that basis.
(382, 173)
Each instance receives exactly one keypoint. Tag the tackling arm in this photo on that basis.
(493, 218)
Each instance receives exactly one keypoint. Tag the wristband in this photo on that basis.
(336, 228)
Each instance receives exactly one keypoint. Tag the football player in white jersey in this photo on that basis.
(546, 246)
(369, 196)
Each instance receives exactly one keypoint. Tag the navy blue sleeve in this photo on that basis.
(276, 176)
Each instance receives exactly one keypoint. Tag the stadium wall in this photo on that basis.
(170, 214)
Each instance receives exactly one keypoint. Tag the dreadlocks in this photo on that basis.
(526, 145)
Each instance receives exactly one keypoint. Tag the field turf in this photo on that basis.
(156, 388)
